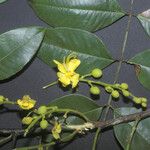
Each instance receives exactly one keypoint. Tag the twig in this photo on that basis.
(117, 73)
(123, 119)
(9, 131)
(98, 124)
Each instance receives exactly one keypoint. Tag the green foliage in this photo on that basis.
(2, 1)
(60, 42)
(141, 137)
(17, 48)
(142, 67)
(145, 20)
(72, 114)
(79, 103)
(89, 15)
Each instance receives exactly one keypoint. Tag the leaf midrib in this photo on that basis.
(119, 12)
(139, 134)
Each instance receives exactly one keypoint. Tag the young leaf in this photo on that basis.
(141, 137)
(142, 67)
(89, 15)
(17, 48)
(60, 42)
(144, 18)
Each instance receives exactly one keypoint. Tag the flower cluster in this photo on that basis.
(67, 75)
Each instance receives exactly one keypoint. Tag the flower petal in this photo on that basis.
(75, 80)
(55, 135)
(60, 66)
(73, 64)
(64, 80)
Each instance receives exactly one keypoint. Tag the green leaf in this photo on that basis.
(60, 42)
(17, 48)
(76, 102)
(81, 104)
(142, 67)
(89, 15)
(2, 1)
(141, 137)
(144, 18)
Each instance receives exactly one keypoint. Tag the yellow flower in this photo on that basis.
(56, 130)
(67, 74)
(26, 102)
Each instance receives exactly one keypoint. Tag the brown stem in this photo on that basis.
(98, 124)
(123, 119)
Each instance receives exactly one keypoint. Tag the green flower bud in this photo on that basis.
(42, 110)
(109, 89)
(125, 93)
(34, 116)
(144, 100)
(137, 100)
(43, 124)
(97, 73)
(27, 120)
(117, 85)
(2, 99)
(115, 94)
(144, 105)
(124, 86)
(94, 90)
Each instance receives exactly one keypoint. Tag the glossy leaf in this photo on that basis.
(17, 48)
(144, 18)
(79, 103)
(142, 67)
(2, 1)
(141, 137)
(90, 15)
(60, 42)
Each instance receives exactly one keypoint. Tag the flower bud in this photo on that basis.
(124, 86)
(42, 110)
(43, 124)
(125, 93)
(109, 89)
(117, 85)
(115, 94)
(27, 120)
(2, 99)
(144, 105)
(97, 73)
(94, 90)
(137, 100)
(144, 100)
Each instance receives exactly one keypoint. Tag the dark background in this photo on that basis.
(17, 13)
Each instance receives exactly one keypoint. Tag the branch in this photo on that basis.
(123, 119)
(99, 124)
